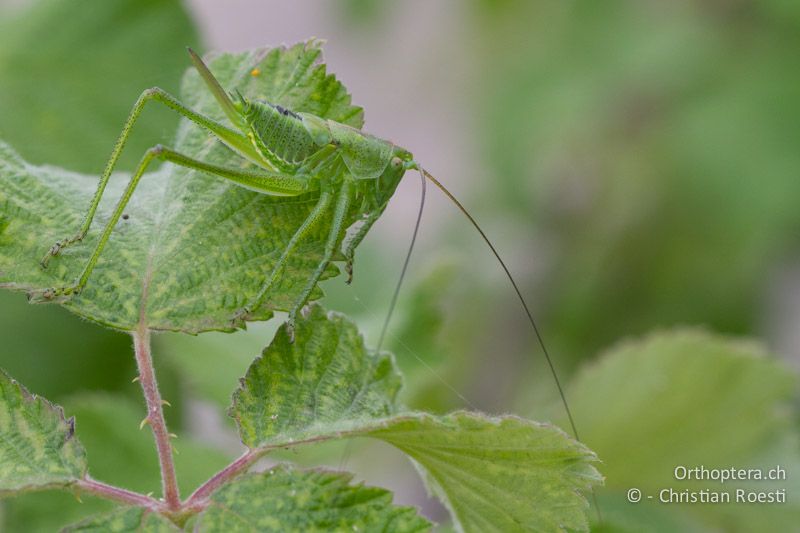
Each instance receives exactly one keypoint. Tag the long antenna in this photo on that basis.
(519, 295)
(393, 303)
(527, 312)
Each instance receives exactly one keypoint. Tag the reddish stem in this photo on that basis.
(155, 417)
(197, 501)
(110, 492)
(223, 476)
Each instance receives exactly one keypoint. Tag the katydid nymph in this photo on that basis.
(291, 154)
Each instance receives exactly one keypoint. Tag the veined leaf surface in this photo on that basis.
(283, 499)
(194, 248)
(493, 473)
(124, 520)
(38, 448)
(326, 380)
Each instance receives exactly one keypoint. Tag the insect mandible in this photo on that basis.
(295, 153)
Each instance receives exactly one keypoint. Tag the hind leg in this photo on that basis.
(266, 181)
(229, 136)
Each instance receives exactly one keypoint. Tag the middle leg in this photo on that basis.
(316, 215)
(343, 201)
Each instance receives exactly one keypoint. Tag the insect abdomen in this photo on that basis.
(279, 135)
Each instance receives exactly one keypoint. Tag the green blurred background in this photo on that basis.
(636, 162)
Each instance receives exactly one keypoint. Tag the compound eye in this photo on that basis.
(397, 162)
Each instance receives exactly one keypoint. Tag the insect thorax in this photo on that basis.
(365, 155)
(279, 135)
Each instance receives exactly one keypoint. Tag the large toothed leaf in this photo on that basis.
(37, 446)
(194, 249)
(282, 499)
(325, 381)
(125, 520)
(498, 474)
(494, 474)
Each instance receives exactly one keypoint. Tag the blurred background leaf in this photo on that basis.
(690, 398)
(74, 70)
(652, 146)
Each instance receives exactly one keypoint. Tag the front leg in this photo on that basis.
(356, 238)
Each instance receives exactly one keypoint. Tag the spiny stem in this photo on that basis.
(109, 492)
(220, 478)
(155, 417)
(197, 501)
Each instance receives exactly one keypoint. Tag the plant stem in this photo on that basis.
(155, 417)
(232, 470)
(197, 501)
(98, 488)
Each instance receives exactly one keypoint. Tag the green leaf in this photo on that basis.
(503, 473)
(324, 381)
(498, 474)
(724, 395)
(283, 499)
(123, 520)
(37, 445)
(194, 249)
(120, 454)
(692, 398)
(64, 97)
